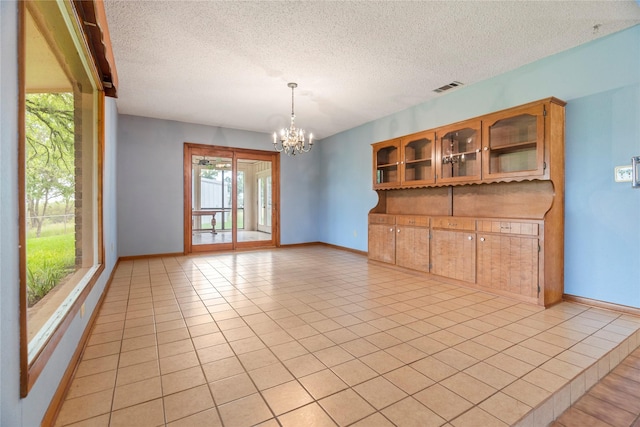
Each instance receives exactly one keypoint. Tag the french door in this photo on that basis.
(264, 202)
(231, 199)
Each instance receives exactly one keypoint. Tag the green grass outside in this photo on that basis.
(52, 229)
(49, 260)
(227, 222)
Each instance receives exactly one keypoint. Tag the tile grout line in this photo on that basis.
(329, 293)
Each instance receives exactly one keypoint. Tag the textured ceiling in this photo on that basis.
(228, 63)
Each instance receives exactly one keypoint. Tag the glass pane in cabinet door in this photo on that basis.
(387, 165)
(513, 144)
(460, 153)
(417, 160)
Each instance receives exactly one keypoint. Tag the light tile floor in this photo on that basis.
(208, 238)
(315, 336)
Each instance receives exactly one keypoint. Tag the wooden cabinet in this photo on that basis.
(401, 240)
(412, 242)
(407, 161)
(382, 238)
(418, 159)
(454, 223)
(459, 152)
(478, 203)
(508, 258)
(513, 143)
(453, 248)
(386, 164)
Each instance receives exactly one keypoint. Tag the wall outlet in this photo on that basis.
(623, 173)
(355, 233)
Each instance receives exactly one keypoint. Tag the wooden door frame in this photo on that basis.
(234, 153)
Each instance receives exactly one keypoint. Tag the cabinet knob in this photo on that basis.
(391, 229)
(482, 239)
(470, 237)
(398, 230)
(486, 148)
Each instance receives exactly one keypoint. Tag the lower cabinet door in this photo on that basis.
(412, 248)
(508, 263)
(382, 243)
(453, 254)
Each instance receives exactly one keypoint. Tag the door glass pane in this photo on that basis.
(240, 205)
(256, 200)
(261, 200)
(268, 203)
(211, 200)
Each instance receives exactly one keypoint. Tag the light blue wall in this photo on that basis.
(150, 184)
(601, 82)
(345, 187)
(30, 410)
(602, 248)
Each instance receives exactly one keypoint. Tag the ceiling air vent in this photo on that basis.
(447, 87)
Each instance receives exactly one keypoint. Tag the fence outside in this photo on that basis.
(67, 220)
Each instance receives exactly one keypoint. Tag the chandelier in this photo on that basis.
(292, 140)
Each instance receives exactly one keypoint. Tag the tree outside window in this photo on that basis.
(49, 191)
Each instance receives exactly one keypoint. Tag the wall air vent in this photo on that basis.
(447, 87)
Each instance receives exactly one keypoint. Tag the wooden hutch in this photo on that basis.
(478, 203)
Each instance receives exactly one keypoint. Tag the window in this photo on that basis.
(61, 244)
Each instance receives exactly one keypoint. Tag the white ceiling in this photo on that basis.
(227, 63)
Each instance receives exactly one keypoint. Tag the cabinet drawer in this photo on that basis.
(509, 227)
(382, 219)
(416, 221)
(454, 223)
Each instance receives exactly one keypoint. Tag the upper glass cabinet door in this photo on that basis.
(514, 143)
(386, 164)
(418, 159)
(459, 152)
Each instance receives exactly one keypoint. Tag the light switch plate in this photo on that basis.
(623, 173)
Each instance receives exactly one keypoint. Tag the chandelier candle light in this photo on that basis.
(292, 140)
